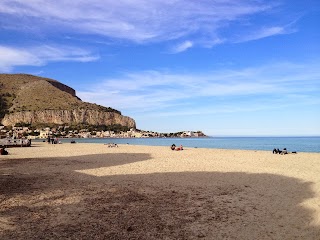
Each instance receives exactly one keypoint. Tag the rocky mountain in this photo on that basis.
(36, 100)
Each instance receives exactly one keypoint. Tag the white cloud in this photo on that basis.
(182, 47)
(151, 91)
(139, 20)
(40, 55)
(10, 57)
(265, 32)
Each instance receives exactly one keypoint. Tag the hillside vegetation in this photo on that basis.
(22, 92)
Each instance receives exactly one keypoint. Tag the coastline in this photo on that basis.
(148, 192)
(298, 144)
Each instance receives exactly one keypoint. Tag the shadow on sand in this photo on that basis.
(48, 199)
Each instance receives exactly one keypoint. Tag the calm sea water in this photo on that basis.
(299, 144)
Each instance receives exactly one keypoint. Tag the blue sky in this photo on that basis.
(226, 67)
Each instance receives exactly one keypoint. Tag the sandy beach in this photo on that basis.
(91, 191)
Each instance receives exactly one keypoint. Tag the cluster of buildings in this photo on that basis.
(66, 132)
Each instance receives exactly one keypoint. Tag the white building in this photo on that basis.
(44, 133)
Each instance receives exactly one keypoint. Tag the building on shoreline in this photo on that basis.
(66, 132)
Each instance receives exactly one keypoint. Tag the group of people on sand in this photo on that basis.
(174, 147)
(282, 152)
(111, 145)
(53, 140)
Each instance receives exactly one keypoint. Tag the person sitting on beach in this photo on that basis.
(276, 151)
(284, 151)
(3, 151)
(173, 147)
(179, 148)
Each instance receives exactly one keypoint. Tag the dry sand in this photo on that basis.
(90, 191)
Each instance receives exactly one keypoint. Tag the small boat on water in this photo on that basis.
(11, 142)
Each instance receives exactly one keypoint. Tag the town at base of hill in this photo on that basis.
(70, 132)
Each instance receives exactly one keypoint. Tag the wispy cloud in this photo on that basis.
(265, 32)
(11, 57)
(182, 47)
(139, 20)
(151, 91)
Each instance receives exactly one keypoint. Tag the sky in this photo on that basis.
(224, 67)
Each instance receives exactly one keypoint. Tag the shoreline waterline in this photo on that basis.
(298, 144)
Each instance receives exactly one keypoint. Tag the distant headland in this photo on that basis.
(37, 107)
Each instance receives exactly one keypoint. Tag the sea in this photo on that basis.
(298, 144)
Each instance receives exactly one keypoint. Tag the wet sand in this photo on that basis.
(90, 191)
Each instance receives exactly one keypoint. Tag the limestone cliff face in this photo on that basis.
(36, 100)
(92, 117)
